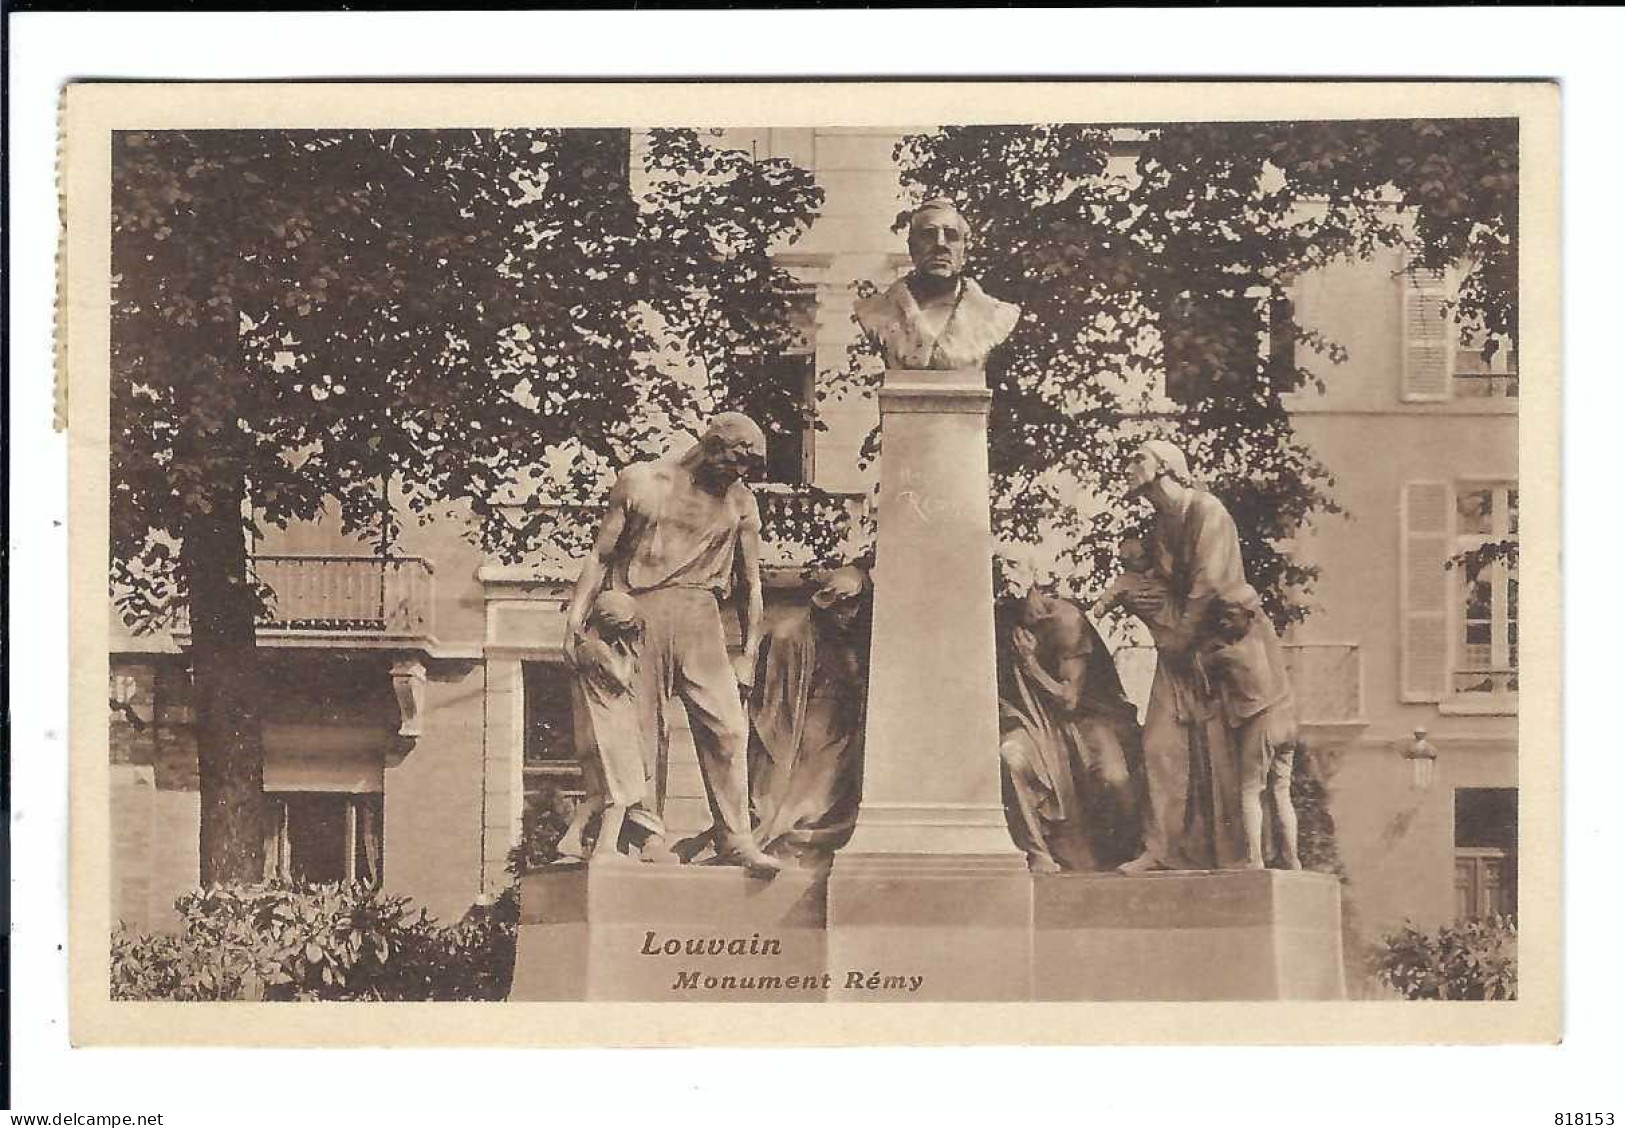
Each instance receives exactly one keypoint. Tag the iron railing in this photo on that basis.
(801, 526)
(344, 594)
(1328, 682)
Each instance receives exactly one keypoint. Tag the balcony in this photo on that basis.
(1328, 683)
(342, 600)
(802, 527)
(807, 527)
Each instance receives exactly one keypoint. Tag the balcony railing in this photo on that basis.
(801, 527)
(1328, 683)
(344, 594)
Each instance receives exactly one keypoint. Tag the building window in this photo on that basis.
(1486, 629)
(1459, 595)
(1444, 358)
(1486, 852)
(1474, 377)
(318, 837)
(788, 390)
(552, 769)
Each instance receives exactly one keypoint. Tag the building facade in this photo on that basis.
(414, 705)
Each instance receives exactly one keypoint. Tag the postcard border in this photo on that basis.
(94, 110)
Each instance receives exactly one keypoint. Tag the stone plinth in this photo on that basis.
(586, 932)
(931, 763)
(963, 924)
(1184, 936)
(918, 930)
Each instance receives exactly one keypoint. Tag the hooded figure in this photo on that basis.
(1069, 745)
(807, 755)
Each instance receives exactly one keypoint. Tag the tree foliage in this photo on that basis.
(318, 313)
(382, 321)
(1178, 270)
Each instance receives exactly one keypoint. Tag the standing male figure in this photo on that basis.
(1192, 767)
(678, 536)
(1243, 666)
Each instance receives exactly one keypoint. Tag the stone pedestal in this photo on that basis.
(964, 925)
(931, 882)
(606, 932)
(925, 930)
(1187, 936)
(931, 764)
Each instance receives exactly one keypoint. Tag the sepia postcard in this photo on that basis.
(660, 563)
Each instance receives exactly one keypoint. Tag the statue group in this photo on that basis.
(778, 727)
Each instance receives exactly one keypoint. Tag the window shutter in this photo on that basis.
(1425, 586)
(1426, 364)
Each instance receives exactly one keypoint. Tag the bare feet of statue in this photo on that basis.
(1254, 864)
(655, 852)
(1292, 863)
(1145, 863)
(1042, 863)
(687, 849)
(570, 849)
(745, 852)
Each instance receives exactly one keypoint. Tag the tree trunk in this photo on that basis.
(225, 686)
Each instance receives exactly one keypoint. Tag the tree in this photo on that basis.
(300, 318)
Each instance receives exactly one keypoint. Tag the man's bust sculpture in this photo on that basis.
(935, 317)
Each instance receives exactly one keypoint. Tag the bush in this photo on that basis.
(1476, 959)
(546, 817)
(332, 942)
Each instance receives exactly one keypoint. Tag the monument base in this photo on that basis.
(913, 929)
(670, 933)
(1188, 936)
(961, 923)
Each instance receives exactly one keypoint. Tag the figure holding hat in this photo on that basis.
(684, 537)
(611, 744)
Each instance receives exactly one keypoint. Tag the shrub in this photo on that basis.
(475, 957)
(546, 817)
(1475, 959)
(332, 942)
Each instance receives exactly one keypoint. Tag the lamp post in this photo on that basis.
(1423, 756)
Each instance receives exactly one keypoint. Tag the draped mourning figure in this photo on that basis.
(1069, 743)
(806, 763)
